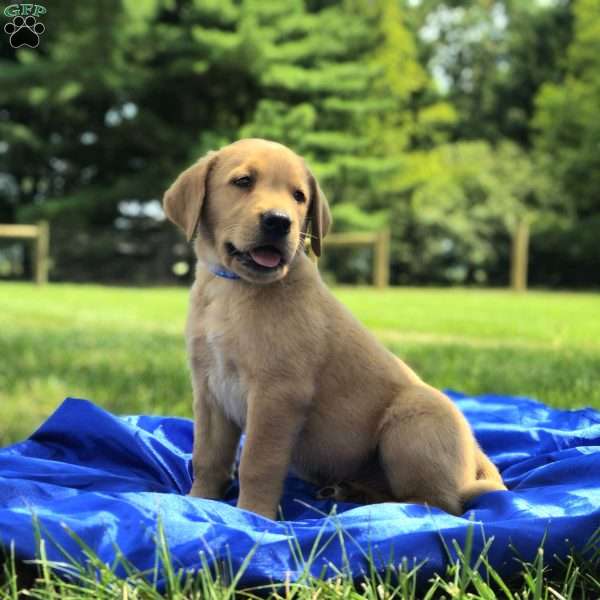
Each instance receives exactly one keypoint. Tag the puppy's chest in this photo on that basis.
(226, 383)
(243, 342)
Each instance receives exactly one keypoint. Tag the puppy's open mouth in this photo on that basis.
(261, 258)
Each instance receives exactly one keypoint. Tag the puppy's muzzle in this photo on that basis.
(275, 224)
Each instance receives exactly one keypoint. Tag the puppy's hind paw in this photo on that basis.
(336, 491)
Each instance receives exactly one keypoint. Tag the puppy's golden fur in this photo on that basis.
(274, 354)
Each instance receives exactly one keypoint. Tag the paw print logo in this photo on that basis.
(24, 31)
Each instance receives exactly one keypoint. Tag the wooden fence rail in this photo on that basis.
(379, 240)
(40, 234)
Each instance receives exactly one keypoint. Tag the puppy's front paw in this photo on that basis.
(203, 489)
(262, 510)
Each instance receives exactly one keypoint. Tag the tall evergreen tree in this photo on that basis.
(317, 87)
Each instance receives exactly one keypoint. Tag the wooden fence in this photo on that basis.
(519, 256)
(40, 235)
(378, 240)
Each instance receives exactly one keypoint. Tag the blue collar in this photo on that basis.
(220, 271)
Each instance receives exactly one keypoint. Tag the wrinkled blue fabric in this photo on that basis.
(111, 480)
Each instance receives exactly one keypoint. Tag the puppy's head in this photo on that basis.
(250, 204)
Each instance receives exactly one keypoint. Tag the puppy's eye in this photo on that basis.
(299, 196)
(243, 182)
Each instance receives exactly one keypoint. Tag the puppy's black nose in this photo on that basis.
(275, 223)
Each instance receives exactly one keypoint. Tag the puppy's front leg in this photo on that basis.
(272, 427)
(216, 439)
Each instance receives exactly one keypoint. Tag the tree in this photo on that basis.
(568, 139)
(338, 87)
(468, 200)
(567, 117)
(117, 99)
(121, 96)
(493, 58)
(343, 86)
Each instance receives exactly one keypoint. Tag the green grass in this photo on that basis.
(124, 349)
(467, 577)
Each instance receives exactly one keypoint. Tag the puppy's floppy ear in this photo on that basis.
(318, 214)
(183, 201)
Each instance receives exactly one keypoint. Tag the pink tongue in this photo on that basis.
(265, 257)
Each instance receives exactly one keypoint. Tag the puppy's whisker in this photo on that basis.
(229, 228)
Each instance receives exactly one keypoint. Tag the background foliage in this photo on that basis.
(448, 120)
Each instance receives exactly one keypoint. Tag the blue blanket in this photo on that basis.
(111, 479)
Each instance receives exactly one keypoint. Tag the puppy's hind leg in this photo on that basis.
(427, 450)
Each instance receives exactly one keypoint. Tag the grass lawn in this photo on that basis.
(124, 349)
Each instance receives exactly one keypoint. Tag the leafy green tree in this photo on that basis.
(468, 198)
(493, 58)
(568, 140)
(567, 117)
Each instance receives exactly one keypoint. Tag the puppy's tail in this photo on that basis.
(478, 487)
(488, 479)
(486, 469)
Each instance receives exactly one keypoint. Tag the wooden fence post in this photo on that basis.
(381, 260)
(519, 256)
(42, 250)
(378, 240)
(40, 235)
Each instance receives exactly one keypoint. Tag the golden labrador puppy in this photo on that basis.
(274, 354)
